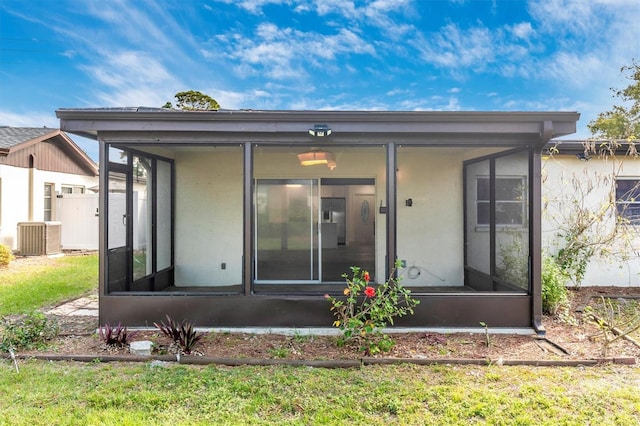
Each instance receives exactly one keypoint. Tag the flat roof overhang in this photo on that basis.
(164, 126)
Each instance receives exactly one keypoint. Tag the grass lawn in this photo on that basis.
(25, 289)
(44, 393)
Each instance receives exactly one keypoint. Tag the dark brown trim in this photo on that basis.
(247, 273)
(438, 310)
(492, 218)
(103, 220)
(535, 237)
(391, 208)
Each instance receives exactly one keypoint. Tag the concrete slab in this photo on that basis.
(84, 306)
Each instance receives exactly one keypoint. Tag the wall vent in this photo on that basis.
(39, 238)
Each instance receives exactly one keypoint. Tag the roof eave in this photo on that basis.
(256, 123)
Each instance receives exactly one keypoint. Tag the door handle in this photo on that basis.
(124, 220)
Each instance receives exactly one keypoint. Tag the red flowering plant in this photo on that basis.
(366, 310)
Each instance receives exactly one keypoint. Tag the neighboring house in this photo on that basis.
(252, 216)
(38, 166)
(607, 186)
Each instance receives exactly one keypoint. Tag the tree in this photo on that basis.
(193, 100)
(621, 123)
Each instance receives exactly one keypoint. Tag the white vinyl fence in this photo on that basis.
(79, 216)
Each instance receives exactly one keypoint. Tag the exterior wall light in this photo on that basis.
(583, 157)
(320, 130)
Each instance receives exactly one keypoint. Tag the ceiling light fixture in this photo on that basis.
(316, 157)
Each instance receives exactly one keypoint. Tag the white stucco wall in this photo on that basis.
(430, 234)
(14, 202)
(567, 180)
(208, 217)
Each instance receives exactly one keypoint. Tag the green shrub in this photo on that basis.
(554, 289)
(5, 256)
(29, 331)
(366, 310)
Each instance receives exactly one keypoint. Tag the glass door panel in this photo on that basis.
(142, 220)
(477, 216)
(286, 230)
(117, 232)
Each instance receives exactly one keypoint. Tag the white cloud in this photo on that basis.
(255, 6)
(132, 79)
(239, 100)
(285, 53)
(523, 30)
(397, 92)
(579, 70)
(30, 119)
(453, 47)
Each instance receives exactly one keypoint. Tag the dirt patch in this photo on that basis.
(569, 336)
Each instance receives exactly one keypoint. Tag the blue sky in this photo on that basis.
(467, 55)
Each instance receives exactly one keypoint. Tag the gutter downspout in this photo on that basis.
(31, 187)
(535, 242)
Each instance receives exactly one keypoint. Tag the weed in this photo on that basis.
(377, 344)
(554, 290)
(115, 336)
(29, 331)
(278, 351)
(487, 336)
(302, 338)
(183, 335)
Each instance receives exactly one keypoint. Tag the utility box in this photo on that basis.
(39, 238)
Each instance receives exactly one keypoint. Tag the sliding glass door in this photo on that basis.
(286, 230)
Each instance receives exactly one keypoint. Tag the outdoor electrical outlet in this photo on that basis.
(223, 265)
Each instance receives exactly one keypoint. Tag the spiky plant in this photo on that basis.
(183, 335)
(115, 336)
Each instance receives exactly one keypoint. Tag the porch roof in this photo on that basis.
(161, 126)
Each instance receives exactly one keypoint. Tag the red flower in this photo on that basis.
(369, 291)
(365, 276)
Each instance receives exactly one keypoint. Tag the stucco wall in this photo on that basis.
(567, 180)
(430, 233)
(208, 217)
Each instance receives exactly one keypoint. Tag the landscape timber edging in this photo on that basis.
(339, 363)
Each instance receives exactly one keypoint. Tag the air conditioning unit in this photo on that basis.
(39, 238)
